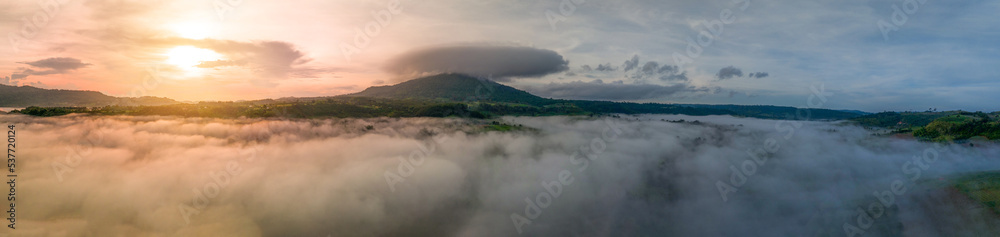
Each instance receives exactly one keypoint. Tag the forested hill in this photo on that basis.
(462, 88)
(24, 96)
(937, 126)
(457, 88)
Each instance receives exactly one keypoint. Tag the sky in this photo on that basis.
(852, 54)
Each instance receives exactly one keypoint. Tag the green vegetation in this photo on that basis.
(937, 126)
(983, 188)
(331, 107)
(503, 127)
(781, 112)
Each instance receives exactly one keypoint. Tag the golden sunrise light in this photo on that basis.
(189, 57)
(195, 30)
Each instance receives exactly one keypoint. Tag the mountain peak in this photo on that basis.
(453, 87)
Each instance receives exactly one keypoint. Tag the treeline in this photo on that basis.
(361, 107)
(339, 107)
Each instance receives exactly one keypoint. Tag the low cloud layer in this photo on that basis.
(636, 176)
(500, 62)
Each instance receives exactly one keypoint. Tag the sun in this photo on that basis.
(189, 57)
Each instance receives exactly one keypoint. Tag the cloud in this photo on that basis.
(728, 72)
(222, 63)
(483, 60)
(650, 67)
(669, 69)
(675, 77)
(275, 59)
(48, 66)
(271, 58)
(639, 74)
(631, 63)
(60, 65)
(758, 75)
(616, 91)
(605, 67)
(131, 176)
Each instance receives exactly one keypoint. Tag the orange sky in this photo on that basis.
(263, 49)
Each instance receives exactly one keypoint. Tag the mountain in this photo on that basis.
(462, 88)
(859, 112)
(25, 96)
(455, 88)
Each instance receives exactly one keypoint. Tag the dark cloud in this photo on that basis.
(60, 65)
(650, 67)
(631, 63)
(586, 68)
(618, 90)
(669, 69)
(606, 67)
(48, 66)
(675, 77)
(758, 75)
(484, 60)
(641, 74)
(729, 72)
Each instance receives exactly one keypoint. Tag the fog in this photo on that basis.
(555, 176)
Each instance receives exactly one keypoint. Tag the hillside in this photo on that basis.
(25, 96)
(783, 112)
(937, 126)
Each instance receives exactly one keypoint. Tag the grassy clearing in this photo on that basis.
(982, 187)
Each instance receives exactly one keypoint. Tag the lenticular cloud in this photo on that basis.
(557, 176)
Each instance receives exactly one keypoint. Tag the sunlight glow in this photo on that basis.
(192, 30)
(188, 57)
